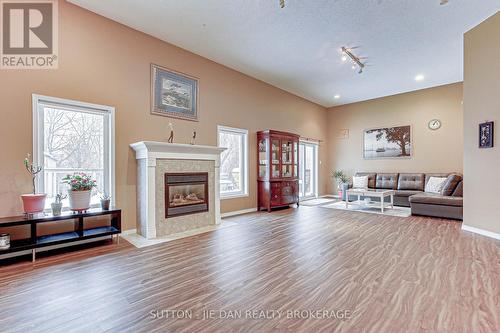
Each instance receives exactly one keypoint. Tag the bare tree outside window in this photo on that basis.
(73, 142)
(232, 159)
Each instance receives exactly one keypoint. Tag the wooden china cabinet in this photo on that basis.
(278, 169)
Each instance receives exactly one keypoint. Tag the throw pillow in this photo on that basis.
(360, 182)
(435, 184)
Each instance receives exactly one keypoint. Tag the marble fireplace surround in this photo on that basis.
(154, 159)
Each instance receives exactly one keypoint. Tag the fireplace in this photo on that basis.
(186, 193)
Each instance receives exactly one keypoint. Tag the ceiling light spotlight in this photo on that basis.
(344, 58)
(419, 77)
(336, 96)
(356, 61)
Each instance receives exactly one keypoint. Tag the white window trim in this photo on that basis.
(316, 167)
(240, 131)
(38, 100)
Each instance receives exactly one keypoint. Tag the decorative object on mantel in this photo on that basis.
(33, 203)
(57, 204)
(173, 94)
(486, 138)
(80, 190)
(193, 139)
(388, 142)
(342, 183)
(105, 201)
(171, 137)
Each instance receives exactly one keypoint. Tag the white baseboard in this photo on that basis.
(129, 232)
(238, 212)
(481, 231)
(329, 196)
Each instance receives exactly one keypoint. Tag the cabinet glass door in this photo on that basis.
(295, 159)
(275, 158)
(263, 158)
(286, 158)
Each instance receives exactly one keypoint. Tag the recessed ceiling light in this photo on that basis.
(419, 77)
(336, 96)
(344, 58)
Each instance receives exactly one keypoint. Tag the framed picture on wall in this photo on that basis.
(173, 94)
(387, 142)
(486, 135)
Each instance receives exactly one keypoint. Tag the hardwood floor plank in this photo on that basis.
(392, 274)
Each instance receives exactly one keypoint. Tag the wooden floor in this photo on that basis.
(387, 274)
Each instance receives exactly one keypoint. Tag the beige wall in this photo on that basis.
(107, 63)
(481, 103)
(433, 151)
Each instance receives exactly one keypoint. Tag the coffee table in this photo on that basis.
(371, 193)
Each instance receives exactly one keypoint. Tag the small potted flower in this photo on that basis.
(105, 201)
(33, 202)
(80, 190)
(342, 183)
(57, 204)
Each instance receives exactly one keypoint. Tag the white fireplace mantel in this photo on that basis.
(150, 152)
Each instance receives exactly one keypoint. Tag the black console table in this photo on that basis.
(79, 234)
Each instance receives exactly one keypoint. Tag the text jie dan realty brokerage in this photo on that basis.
(251, 314)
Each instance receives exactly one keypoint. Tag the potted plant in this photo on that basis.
(57, 204)
(80, 190)
(105, 201)
(33, 202)
(342, 183)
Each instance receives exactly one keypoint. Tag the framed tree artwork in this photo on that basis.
(173, 94)
(387, 142)
(486, 135)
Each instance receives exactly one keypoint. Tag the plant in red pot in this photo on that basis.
(34, 202)
(80, 190)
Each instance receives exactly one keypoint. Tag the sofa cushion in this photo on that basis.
(439, 175)
(406, 193)
(411, 181)
(459, 190)
(371, 178)
(387, 181)
(360, 182)
(451, 184)
(436, 199)
(435, 184)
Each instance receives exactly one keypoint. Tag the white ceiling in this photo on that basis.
(298, 48)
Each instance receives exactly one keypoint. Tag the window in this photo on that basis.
(233, 167)
(308, 170)
(71, 136)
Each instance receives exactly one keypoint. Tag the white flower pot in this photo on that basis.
(79, 200)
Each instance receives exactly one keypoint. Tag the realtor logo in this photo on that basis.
(29, 34)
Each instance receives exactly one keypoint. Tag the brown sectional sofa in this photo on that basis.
(409, 192)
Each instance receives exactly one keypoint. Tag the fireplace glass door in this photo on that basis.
(185, 193)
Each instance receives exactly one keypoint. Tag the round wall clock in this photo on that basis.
(435, 124)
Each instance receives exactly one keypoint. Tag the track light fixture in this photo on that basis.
(356, 61)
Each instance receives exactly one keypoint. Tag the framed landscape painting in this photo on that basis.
(486, 135)
(388, 142)
(173, 94)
